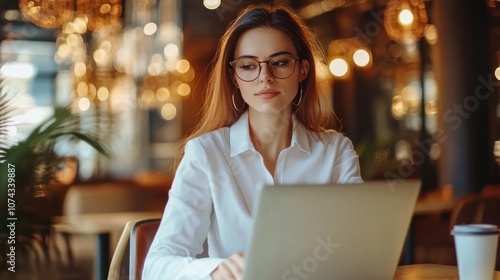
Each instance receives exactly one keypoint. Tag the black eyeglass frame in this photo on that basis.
(233, 63)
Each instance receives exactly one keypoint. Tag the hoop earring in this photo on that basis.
(300, 97)
(234, 104)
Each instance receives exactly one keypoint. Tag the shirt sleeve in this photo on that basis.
(185, 224)
(346, 167)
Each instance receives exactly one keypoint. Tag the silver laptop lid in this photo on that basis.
(352, 231)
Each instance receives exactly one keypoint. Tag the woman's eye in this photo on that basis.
(281, 63)
(247, 67)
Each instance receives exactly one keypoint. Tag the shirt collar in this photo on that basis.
(240, 136)
(301, 137)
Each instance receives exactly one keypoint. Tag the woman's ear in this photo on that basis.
(235, 83)
(233, 79)
(304, 69)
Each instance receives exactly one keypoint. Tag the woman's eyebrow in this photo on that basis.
(272, 55)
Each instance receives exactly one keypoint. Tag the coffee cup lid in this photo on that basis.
(475, 229)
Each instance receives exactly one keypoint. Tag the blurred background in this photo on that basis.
(403, 89)
(415, 84)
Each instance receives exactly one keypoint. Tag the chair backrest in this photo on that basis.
(141, 237)
(491, 190)
(478, 209)
(119, 267)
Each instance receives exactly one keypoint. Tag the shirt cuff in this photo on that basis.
(205, 266)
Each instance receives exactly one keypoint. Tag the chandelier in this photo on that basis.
(54, 13)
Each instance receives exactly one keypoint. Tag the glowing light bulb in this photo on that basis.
(211, 4)
(361, 57)
(339, 67)
(405, 17)
(497, 73)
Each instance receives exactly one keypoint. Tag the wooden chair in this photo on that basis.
(119, 267)
(477, 209)
(132, 248)
(141, 237)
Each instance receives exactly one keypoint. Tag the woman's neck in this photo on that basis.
(270, 134)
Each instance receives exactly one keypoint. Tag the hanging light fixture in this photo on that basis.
(405, 20)
(55, 13)
(344, 54)
(48, 13)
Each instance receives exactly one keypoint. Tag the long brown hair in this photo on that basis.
(314, 111)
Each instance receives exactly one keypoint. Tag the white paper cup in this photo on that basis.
(476, 249)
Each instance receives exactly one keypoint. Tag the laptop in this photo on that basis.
(319, 232)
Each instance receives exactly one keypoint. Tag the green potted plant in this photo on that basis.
(28, 168)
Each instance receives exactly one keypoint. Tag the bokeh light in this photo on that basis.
(211, 4)
(339, 67)
(83, 104)
(168, 111)
(361, 57)
(405, 17)
(171, 50)
(150, 28)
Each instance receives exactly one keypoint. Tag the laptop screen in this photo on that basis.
(349, 231)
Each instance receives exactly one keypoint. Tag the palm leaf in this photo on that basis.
(5, 111)
(44, 130)
(36, 164)
(34, 157)
(93, 141)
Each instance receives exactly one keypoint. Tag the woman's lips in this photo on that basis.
(267, 94)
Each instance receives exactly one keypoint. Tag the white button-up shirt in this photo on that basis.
(216, 187)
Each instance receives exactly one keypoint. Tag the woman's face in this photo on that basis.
(268, 94)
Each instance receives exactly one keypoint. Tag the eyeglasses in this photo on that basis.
(280, 66)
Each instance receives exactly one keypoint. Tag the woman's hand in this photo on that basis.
(230, 269)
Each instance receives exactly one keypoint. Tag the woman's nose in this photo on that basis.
(265, 73)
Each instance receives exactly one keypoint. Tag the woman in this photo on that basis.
(264, 122)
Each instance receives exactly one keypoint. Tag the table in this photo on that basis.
(433, 206)
(101, 225)
(429, 271)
